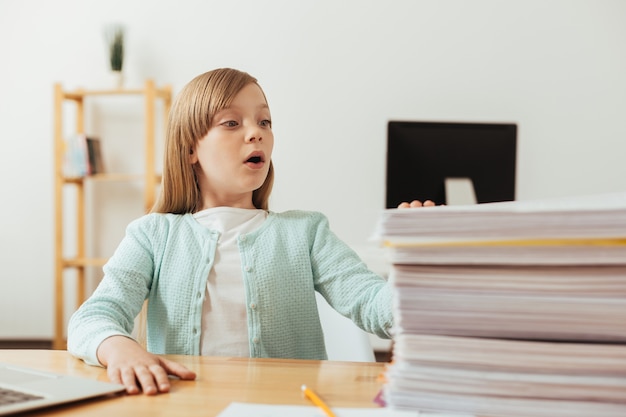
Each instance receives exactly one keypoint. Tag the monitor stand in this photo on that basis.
(459, 191)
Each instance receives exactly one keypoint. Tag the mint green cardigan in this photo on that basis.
(166, 258)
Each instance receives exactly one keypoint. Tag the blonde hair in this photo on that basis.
(189, 121)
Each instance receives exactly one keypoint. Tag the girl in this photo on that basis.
(222, 274)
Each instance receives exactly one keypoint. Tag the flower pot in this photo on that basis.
(117, 80)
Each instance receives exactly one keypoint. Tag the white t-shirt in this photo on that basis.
(224, 322)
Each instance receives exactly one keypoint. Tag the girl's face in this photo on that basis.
(233, 159)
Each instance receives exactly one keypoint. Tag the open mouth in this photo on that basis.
(255, 158)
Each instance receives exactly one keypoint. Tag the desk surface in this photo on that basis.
(219, 382)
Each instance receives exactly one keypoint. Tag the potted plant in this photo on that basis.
(115, 42)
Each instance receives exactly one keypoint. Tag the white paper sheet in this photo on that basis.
(270, 410)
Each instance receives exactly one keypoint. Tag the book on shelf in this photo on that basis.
(511, 309)
(96, 163)
(83, 156)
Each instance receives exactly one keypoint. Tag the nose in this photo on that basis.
(254, 135)
(251, 138)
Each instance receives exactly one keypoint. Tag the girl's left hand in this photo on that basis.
(416, 203)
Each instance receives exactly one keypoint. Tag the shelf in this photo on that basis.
(149, 179)
(79, 94)
(83, 262)
(110, 177)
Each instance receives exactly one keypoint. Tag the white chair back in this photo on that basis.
(344, 340)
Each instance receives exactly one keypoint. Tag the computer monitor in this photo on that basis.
(423, 156)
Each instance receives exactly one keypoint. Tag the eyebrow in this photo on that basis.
(261, 106)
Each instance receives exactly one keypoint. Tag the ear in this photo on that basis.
(193, 157)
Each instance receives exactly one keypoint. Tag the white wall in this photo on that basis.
(335, 72)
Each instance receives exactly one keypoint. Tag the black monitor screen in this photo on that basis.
(421, 155)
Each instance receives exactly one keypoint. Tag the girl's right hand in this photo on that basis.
(138, 370)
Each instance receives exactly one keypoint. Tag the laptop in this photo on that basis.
(23, 389)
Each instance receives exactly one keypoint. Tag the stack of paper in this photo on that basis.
(499, 377)
(510, 309)
(589, 216)
(565, 231)
(540, 303)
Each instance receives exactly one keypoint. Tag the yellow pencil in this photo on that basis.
(311, 395)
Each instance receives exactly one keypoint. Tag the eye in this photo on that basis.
(229, 123)
(266, 123)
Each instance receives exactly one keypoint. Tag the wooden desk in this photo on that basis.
(220, 381)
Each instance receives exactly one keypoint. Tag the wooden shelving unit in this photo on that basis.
(150, 179)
